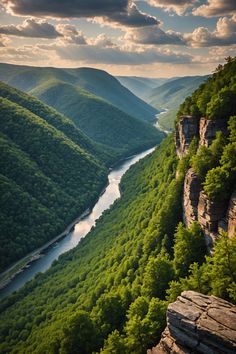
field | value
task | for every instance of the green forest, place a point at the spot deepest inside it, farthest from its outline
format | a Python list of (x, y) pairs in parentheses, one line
[(50, 170), (111, 292)]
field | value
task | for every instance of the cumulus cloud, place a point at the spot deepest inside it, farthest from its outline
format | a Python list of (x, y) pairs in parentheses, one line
[(216, 8), (178, 6), (224, 35), (124, 12), (102, 41), (154, 35), (71, 34), (31, 28)]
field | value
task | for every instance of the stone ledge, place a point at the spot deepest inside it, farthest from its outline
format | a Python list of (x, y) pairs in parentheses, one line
[(198, 323)]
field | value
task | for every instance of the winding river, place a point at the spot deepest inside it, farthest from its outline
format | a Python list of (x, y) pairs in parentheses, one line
[(80, 230)]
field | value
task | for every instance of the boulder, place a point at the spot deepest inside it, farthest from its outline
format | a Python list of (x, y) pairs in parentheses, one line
[(197, 323)]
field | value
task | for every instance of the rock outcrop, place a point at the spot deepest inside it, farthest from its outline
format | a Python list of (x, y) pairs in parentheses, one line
[(210, 214), (208, 129), (192, 188), (231, 215), (197, 323), (186, 129)]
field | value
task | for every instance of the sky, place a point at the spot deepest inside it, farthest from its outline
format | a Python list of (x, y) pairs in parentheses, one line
[(149, 38)]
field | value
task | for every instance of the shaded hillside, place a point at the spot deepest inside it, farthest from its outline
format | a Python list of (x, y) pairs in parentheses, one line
[(98, 82), (171, 94), (60, 122), (97, 118), (46, 178), (104, 85)]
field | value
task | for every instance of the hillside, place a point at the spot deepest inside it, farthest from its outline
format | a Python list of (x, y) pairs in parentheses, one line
[(60, 122), (97, 82), (110, 293), (171, 94), (140, 86), (97, 118), (46, 178)]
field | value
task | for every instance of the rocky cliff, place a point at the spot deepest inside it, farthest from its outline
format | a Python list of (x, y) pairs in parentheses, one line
[(186, 130), (197, 323), (212, 216)]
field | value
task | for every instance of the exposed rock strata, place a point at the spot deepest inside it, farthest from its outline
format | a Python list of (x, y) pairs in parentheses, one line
[(192, 188), (208, 129), (210, 214), (197, 323), (186, 129)]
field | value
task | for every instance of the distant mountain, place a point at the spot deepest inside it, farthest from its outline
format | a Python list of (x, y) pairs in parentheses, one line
[(47, 177), (98, 82), (140, 86), (170, 94)]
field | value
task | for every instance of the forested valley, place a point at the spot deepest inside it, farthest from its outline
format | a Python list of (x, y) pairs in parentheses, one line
[(110, 293)]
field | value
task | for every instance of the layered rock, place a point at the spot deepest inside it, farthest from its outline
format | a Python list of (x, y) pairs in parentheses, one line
[(197, 323), (186, 129), (231, 215), (210, 213), (208, 129), (192, 188)]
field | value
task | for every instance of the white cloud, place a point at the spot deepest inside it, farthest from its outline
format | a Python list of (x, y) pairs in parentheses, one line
[(216, 8), (31, 28), (224, 34), (153, 35), (178, 6), (70, 34)]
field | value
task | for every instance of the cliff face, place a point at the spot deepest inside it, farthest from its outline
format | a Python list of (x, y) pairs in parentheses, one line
[(212, 216), (208, 129), (197, 323), (187, 128), (192, 188)]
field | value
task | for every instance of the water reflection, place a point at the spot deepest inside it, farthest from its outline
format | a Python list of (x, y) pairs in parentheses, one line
[(81, 228)]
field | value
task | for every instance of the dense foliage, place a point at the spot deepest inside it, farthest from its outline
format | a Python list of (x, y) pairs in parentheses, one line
[(47, 179), (112, 287), (216, 165), (97, 82), (101, 121), (214, 99), (110, 293), (60, 122)]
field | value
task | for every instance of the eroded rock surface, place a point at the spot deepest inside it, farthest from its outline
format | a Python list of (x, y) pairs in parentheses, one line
[(210, 213), (186, 129), (208, 129), (197, 323), (192, 188)]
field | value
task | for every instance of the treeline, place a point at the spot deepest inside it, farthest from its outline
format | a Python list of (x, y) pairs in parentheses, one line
[(214, 99)]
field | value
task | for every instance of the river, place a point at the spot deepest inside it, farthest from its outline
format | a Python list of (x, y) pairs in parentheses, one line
[(81, 229)]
